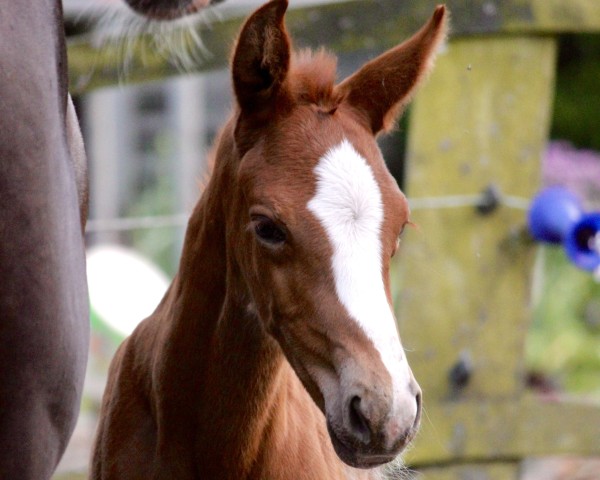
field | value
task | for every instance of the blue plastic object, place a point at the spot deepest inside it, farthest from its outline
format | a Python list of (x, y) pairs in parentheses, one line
[(556, 216)]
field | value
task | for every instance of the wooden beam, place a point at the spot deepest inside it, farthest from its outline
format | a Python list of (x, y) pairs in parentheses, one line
[(482, 120), (504, 430), (488, 471), (463, 290), (557, 16), (357, 27)]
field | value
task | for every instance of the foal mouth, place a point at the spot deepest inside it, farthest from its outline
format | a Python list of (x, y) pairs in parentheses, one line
[(360, 456)]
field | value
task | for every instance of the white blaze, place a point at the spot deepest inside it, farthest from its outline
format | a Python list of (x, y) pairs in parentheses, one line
[(348, 204)]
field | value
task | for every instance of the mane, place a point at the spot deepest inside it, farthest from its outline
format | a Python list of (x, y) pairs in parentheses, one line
[(312, 77)]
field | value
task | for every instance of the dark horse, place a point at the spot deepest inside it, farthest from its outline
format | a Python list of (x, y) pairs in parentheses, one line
[(43, 208)]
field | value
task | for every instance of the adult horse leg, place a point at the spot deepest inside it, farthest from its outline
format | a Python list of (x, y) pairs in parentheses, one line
[(43, 208), (78, 160), (43, 299)]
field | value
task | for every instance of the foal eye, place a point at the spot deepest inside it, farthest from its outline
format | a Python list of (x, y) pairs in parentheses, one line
[(267, 230)]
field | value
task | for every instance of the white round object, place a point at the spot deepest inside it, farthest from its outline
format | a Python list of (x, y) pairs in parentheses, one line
[(125, 287)]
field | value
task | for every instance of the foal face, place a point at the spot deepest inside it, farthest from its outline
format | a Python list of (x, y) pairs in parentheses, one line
[(323, 217), (316, 219)]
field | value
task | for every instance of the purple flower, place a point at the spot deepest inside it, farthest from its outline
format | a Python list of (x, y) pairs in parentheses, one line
[(577, 170)]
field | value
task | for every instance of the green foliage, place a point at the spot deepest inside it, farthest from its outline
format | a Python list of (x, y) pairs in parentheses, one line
[(564, 340), (577, 103), (156, 198)]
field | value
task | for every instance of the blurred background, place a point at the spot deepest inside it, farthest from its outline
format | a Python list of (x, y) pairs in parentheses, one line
[(147, 144)]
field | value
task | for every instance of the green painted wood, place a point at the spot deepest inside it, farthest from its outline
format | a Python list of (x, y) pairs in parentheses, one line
[(552, 16), (504, 431), (463, 281), (482, 471), (70, 476), (482, 119), (354, 27)]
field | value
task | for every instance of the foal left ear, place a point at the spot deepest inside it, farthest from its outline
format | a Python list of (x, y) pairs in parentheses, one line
[(383, 87), (261, 58)]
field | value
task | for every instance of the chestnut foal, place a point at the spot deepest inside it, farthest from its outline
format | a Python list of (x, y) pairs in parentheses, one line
[(275, 354)]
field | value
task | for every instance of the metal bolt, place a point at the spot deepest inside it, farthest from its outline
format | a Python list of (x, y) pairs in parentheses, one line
[(461, 372), (489, 201)]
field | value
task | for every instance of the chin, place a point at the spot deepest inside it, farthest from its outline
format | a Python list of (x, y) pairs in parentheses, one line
[(352, 455)]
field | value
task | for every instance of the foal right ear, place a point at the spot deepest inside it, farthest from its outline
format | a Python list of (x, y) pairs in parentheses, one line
[(261, 59), (381, 89)]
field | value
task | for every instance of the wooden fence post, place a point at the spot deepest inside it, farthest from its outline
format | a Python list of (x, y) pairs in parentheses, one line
[(480, 123)]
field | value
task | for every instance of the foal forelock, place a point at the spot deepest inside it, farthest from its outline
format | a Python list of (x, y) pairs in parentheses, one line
[(349, 205)]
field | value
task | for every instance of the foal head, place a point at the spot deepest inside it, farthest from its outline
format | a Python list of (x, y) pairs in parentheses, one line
[(315, 219)]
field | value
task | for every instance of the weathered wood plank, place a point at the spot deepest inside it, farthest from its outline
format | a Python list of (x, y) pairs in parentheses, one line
[(506, 430), (553, 16), (349, 27), (481, 120), (481, 471)]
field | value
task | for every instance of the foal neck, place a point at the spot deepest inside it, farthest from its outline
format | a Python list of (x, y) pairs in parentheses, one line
[(233, 370)]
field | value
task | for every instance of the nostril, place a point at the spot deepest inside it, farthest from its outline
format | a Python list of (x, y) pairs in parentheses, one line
[(358, 421), (418, 399), (419, 402)]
